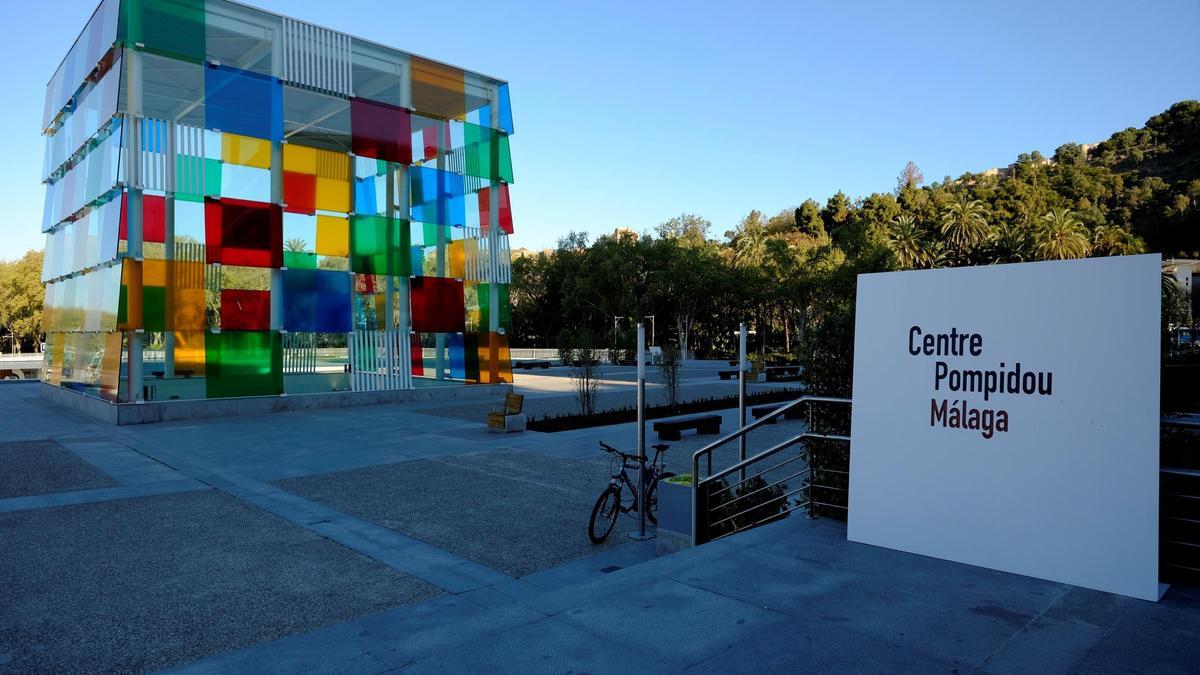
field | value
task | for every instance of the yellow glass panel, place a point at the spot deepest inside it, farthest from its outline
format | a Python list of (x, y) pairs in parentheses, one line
[(246, 151), (335, 165), (333, 194), (333, 236), (154, 272), (504, 359), (456, 256), (189, 351), (131, 294), (55, 353), (300, 159), (187, 297), (381, 317), (110, 367)]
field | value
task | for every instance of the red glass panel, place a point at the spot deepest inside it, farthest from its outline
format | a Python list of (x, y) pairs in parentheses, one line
[(300, 192), (380, 131), (430, 142), (418, 355), (245, 310), (506, 222), (243, 233), (154, 218), (437, 305)]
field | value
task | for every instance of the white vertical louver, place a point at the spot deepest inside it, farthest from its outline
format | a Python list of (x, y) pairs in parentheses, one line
[(480, 265), (147, 151), (189, 160), (316, 57), (380, 360)]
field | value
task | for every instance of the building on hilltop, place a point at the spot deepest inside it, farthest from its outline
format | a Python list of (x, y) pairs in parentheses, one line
[(243, 204), (1186, 274)]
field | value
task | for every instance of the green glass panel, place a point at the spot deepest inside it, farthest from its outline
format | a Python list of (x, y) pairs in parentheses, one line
[(380, 245), (243, 363), (185, 166), (485, 300), (487, 153), (504, 170), (170, 27), (299, 260), (154, 308)]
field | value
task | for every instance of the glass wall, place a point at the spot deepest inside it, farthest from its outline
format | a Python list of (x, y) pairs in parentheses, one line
[(242, 204)]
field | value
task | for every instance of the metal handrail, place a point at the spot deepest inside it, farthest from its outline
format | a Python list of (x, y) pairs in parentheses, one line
[(741, 465)]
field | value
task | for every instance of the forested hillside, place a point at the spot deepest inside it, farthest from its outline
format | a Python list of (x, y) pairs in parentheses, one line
[(792, 274)]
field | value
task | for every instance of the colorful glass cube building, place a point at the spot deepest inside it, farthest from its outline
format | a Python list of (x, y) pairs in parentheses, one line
[(243, 204)]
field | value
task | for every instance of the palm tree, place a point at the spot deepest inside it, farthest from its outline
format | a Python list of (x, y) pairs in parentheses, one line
[(295, 245), (964, 224), (906, 240), (750, 247), (1011, 243), (1061, 236), (936, 255), (1113, 240)]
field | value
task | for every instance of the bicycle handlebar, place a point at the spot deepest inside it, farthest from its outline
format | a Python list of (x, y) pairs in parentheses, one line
[(628, 456)]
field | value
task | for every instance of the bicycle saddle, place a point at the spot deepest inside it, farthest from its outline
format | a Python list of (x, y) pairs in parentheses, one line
[(660, 446)]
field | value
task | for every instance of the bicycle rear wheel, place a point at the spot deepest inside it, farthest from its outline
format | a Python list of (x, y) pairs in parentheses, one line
[(652, 502), (604, 514)]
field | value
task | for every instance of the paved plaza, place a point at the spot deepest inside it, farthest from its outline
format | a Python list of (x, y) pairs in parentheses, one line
[(409, 537)]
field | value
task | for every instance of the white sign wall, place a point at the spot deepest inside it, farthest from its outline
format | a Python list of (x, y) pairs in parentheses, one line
[(1007, 416)]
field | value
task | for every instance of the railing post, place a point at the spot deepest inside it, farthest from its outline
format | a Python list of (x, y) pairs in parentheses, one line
[(643, 492), (741, 396)]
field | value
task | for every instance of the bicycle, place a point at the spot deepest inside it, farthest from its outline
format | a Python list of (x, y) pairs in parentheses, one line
[(608, 505)]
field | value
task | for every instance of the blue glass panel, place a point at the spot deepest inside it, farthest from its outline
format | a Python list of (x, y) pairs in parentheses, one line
[(458, 357), (243, 103), (506, 121), (437, 196), (365, 196), (316, 301), (418, 261)]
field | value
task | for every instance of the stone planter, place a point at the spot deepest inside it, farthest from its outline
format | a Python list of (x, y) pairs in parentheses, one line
[(674, 515)]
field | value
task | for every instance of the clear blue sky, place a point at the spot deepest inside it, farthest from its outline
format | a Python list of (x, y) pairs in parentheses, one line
[(628, 113)]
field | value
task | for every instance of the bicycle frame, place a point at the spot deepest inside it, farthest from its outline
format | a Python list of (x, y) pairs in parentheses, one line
[(622, 477)]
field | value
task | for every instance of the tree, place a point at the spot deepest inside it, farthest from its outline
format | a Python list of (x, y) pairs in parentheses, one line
[(964, 224), (688, 228), (21, 297), (750, 241), (1061, 236), (295, 245), (910, 177), (1112, 240), (907, 241), (808, 219)]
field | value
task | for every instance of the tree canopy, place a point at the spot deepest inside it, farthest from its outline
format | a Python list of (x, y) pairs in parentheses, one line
[(792, 276)]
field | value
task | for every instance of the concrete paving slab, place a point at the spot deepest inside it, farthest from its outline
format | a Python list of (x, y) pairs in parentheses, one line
[(1150, 638), (820, 646), (146, 583), (547, 646), (677, 624), (44, 467), (514, 512)]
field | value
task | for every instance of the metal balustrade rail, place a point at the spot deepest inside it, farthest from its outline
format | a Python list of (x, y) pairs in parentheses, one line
[(706, 516)]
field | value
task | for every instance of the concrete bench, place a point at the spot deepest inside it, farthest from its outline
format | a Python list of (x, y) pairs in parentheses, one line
[(672, 430), (760, 411), (782, 373), (530, 365)]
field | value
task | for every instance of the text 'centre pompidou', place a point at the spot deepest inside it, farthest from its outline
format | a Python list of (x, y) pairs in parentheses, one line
[(243, 204)]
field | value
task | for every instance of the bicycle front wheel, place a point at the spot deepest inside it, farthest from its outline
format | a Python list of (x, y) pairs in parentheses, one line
[(652, 502), (604, 514)]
